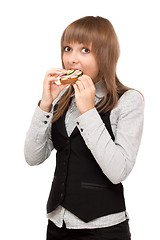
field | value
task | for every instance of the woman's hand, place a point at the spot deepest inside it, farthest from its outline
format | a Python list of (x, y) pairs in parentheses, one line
[(84, 93), (50, 89)]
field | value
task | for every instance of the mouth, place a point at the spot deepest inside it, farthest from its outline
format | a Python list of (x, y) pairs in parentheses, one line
[(74, 68)]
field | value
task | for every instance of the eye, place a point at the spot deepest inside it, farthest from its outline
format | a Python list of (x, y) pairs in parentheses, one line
[(86, 50), (67, 49)]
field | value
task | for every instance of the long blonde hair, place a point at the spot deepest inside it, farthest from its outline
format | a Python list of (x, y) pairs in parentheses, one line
[(100, 33)]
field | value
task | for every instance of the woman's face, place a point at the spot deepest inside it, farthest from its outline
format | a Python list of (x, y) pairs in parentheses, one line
[(80, 56)]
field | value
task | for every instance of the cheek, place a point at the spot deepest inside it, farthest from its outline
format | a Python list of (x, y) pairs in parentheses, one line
[(95, 73), (94, 70), (65, 60)]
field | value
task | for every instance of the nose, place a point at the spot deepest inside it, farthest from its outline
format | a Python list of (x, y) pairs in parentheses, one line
[(73, 58)]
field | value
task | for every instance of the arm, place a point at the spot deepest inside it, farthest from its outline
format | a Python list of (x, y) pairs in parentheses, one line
[(38, 144), (116, 159)]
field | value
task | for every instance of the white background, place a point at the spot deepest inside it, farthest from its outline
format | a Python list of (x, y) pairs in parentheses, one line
[(30, 45)]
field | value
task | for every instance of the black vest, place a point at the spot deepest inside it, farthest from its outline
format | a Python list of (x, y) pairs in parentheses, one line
[(79, 185)]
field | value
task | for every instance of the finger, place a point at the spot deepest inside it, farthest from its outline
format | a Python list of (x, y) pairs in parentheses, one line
[(87, 81), (52, 70), (80, 85), (76, 89), (56, 72), (51, 79)]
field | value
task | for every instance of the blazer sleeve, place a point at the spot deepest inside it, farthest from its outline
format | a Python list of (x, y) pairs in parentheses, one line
[(38, 144), (116, 158)]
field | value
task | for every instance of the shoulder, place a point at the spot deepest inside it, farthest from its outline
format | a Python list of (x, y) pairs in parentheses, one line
[(131, 98), (132, 95), (130, 101)]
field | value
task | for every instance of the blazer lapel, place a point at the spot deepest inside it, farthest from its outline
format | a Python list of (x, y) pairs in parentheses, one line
[(60, 123), (74, 132)]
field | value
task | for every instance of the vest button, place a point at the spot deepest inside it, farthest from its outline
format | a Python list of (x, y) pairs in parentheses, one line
[(62, 184), (62, 195)]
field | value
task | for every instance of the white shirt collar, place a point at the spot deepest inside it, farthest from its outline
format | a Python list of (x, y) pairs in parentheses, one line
[(100, 88)]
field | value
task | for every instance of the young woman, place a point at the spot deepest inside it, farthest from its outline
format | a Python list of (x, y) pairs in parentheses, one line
[(95, 125)]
